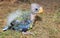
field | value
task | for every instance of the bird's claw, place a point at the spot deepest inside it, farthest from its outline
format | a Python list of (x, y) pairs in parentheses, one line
[(27, 33)]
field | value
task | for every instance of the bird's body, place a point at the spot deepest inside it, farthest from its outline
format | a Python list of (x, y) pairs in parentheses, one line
[(23, 19), (20, 19), (17, 14)]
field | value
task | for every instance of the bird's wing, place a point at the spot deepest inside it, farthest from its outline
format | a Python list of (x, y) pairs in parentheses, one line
[(23, 21)]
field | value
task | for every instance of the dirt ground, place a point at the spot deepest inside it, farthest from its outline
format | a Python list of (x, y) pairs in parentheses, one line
[(49, 27)]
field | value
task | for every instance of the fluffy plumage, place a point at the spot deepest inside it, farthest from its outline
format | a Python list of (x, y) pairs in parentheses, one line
[(22, 20)]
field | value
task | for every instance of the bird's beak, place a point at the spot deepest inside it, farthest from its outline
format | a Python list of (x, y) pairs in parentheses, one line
[(40, 11)]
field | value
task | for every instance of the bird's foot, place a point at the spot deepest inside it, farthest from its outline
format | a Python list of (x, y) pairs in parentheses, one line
[(27, 33)]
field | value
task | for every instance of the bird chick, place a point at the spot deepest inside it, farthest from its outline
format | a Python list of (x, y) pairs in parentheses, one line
[(22, 20)]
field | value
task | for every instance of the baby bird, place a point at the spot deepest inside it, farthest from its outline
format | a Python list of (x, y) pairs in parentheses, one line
[(20, 20)]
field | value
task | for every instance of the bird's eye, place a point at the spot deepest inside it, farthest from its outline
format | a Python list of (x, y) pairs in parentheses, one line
[(36, 9)]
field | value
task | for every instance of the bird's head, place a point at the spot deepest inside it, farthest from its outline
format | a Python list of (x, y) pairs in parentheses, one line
[(36, 8)]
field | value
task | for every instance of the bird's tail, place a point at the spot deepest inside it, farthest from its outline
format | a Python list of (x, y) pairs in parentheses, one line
[(10, 26), (7, 27)]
